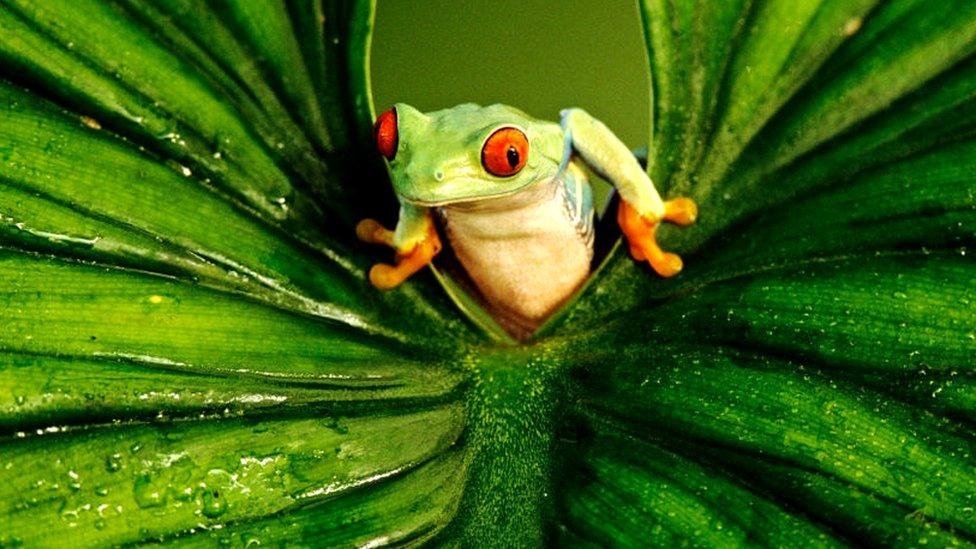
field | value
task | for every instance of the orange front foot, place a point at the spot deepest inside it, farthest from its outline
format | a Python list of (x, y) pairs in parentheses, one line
[(640, 232), (386, 277)]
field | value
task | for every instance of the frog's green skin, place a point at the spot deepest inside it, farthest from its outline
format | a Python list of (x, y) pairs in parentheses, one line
[(525, 240)]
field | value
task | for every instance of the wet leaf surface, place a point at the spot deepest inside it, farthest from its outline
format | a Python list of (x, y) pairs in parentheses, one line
[(190, 353)]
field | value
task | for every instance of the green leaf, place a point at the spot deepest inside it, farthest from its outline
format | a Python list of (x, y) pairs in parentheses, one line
[(127, 483), (633, 490), (190, 352), (826, 309)]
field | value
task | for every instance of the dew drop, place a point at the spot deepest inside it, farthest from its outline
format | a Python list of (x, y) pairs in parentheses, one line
[(213, 504), (147, 495), (113, 463)]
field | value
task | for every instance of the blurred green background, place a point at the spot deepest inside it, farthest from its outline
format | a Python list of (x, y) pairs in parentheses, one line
[(539, 56)]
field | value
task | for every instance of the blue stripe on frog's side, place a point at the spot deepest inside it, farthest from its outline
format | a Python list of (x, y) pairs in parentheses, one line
[(577, 196)]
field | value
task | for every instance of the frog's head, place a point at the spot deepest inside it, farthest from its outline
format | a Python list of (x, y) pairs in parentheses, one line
[(465, 153)]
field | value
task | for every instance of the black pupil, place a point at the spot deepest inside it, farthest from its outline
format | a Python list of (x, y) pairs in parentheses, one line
[(513, 156)]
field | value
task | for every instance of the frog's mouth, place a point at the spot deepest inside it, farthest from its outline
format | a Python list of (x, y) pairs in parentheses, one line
[(443, 196), (453, 201)]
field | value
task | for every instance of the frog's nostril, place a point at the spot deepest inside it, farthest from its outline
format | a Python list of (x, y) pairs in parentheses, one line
[(439, 175)]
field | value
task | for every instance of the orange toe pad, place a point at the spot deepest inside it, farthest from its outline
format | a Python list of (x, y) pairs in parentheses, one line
[(681, 211)]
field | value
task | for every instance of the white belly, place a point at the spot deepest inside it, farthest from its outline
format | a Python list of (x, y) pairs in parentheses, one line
[(523, 252)]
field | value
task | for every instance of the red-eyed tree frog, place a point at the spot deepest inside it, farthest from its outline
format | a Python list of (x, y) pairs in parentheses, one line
[(513, 201)]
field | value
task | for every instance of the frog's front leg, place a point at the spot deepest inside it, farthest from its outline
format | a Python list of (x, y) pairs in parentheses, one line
[(641, 208), (415, 241)]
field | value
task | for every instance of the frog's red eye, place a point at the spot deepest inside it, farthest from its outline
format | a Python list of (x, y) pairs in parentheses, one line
[(505, 152), (385, 133)]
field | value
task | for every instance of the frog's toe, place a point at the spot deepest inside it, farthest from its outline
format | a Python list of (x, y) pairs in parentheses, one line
[(370, 230), (386, 277), (637, 253), (666, 264), (681, 211)]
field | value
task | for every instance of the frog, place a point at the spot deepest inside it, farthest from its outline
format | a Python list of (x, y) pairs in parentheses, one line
[(512, 198)]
